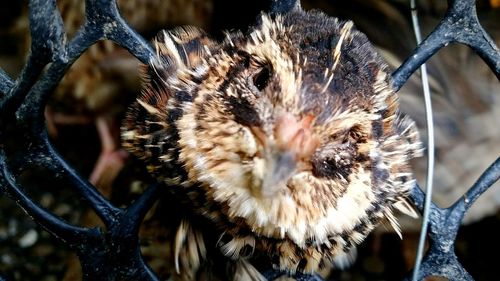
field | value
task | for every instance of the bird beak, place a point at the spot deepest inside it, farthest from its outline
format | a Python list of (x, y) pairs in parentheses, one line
[(288, 152), (280, 168)]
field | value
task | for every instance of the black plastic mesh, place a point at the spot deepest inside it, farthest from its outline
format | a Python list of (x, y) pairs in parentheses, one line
[(113, 253)]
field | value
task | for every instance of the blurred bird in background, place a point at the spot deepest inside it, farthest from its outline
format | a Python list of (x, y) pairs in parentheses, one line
[(105, 79)]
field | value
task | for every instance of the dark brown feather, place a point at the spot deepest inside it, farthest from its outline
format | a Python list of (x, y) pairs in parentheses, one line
[(287, 140)]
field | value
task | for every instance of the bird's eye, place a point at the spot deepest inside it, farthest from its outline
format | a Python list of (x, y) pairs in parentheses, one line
[(261, 79)]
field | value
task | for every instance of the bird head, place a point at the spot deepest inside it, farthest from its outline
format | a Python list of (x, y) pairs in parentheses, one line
[(293, 128)]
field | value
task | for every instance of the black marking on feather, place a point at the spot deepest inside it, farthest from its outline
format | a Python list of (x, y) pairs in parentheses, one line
[(244, 112), (183, 96)]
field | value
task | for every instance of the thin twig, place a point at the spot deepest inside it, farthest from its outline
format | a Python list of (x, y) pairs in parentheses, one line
[(430, 148)]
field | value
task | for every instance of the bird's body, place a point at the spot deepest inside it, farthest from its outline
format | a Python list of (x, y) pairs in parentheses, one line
[(287, 141)]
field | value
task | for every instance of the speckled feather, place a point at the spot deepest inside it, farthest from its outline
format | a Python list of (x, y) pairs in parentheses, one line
[(217, 120)]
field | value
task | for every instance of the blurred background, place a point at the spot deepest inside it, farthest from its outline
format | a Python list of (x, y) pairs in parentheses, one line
[(85, 111)]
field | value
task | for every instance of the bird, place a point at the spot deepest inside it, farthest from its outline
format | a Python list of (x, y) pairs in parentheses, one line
[(104, 79), (285, 142)]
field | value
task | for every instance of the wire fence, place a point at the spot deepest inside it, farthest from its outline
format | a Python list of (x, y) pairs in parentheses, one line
[(114, 253)]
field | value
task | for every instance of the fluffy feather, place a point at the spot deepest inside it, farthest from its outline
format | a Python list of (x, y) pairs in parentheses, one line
[(287, 140)]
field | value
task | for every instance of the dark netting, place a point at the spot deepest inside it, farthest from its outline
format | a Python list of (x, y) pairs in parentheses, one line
[(113, 252)]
